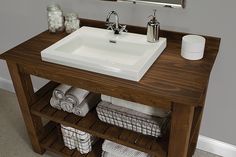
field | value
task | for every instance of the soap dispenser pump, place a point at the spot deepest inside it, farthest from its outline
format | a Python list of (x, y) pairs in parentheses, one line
[(153, 28)]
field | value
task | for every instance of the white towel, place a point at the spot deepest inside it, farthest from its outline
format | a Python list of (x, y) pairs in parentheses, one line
[(85, 141), (70, 143), (149, 110), (73, 97), (85, 146), (106, 98), (76, 95), (69, 137), (130, 119), (56, 103), (86, 105), (74, 138), (67, 106), (106, 154), (120, 150), (60, 91), (58, 95), (68, 131)]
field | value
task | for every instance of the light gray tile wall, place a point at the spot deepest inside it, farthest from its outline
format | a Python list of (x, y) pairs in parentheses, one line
[(20, 20)]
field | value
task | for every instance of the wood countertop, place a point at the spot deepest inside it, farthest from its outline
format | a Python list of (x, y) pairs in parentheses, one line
[(171, 79)]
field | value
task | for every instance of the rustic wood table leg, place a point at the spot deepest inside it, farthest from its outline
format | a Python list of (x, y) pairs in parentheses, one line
[(196, 127), (194, 135), (181, 123), (24, 91)]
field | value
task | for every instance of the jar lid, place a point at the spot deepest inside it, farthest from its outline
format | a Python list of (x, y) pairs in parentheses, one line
[(71, 16), (53, 7), (194, 39)]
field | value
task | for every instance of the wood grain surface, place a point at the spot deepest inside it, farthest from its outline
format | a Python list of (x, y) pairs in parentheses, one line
[(91, 124), (170, 79)]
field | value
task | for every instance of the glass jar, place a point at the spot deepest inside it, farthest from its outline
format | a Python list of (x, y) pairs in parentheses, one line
[(72, 22), (55, 18)]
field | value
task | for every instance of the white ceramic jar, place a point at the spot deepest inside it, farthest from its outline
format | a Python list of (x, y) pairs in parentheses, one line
[(55, 19), (72, 22)]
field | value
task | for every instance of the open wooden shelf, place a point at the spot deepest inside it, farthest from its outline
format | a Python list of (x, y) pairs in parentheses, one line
[(51, 140), (91, 124)]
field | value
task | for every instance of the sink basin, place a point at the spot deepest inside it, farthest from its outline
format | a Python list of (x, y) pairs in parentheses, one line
[(126, 56)]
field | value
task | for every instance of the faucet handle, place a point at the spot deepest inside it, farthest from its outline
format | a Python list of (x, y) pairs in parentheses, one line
[(110, 25), (123, 28)]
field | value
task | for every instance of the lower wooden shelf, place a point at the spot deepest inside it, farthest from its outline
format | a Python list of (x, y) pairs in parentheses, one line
[(91, 124), (52, 141)]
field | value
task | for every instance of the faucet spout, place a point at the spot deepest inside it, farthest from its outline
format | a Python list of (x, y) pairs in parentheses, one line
[(116, 18), (116, 27)]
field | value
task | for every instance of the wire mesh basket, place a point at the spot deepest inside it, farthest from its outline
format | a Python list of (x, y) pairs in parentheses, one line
[(76, 139), (131, 120)]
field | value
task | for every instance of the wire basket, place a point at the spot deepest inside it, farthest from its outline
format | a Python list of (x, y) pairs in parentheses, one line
[(76, 139), (131, 120)]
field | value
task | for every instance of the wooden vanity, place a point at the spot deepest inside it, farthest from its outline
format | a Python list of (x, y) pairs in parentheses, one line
[(172, 83)]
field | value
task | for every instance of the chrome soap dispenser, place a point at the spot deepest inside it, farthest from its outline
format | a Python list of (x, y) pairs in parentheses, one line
[(153, 28)]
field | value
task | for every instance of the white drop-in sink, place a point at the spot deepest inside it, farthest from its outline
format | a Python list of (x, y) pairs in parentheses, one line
[(126, 55)]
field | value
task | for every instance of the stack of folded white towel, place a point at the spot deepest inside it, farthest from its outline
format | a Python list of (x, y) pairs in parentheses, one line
[(73, 100), (111, 149), (74, 138), (133, 116)]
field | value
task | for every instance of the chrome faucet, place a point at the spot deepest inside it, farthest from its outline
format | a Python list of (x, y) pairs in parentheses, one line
[(116, 27)]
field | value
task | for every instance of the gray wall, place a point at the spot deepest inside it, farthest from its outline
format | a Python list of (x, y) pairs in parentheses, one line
[(19, 21), (23, 19)]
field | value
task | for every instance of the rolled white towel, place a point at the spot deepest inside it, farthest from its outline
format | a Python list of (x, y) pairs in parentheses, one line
[(85, 147), (82, 136), (67, 106), (60, 91), (121, 150), (56, 103), (86, 105), (73, 97), (85, 141), (58, 95), (76, 95)]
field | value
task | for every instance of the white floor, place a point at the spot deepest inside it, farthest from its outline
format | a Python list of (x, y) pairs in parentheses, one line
[(14, 141)]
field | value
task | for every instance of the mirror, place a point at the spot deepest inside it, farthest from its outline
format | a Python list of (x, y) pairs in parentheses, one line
[(163, 3)]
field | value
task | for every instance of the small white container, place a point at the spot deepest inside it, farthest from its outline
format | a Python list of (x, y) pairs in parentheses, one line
[(193, 47)]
